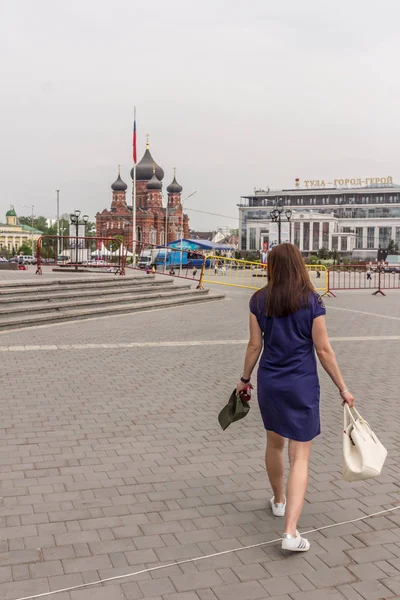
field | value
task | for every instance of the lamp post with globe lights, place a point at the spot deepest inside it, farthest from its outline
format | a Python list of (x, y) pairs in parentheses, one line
[(74, 218), (276, 217)]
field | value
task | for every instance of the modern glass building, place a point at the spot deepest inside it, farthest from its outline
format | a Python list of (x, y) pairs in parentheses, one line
[(337, 218)]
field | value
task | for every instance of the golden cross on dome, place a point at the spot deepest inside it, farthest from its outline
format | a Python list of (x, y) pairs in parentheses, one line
[(147, 141), (119, 170), (174, 172)]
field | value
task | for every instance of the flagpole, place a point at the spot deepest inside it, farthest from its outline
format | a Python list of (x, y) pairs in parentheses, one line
[(134, 193)]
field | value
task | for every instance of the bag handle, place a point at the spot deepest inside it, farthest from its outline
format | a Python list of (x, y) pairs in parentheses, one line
[(348, 412), (348, 416)]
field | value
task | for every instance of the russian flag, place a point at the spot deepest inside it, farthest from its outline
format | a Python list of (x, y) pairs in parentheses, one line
[(134, 136)]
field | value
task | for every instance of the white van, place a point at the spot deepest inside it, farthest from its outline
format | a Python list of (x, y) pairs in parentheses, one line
[(27, 259)]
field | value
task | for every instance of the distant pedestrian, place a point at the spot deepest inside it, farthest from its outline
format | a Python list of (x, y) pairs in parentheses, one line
[(369, 274), (147, 270), (194, 272), (318, 274)]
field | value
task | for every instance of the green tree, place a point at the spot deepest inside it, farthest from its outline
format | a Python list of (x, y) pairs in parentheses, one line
[(114, 245), (25, 249), (324, 254), (312, 260), (392, 247), (39, 223), (335, 256)]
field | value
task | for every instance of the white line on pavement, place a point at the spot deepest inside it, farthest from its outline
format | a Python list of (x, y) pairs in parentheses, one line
[(98, 582), (362, 312), (175, 344)]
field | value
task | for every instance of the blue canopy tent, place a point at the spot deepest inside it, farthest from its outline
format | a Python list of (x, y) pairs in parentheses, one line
[(200, 246)]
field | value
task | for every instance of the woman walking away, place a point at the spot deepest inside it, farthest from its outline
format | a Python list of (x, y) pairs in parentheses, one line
[(289, 315)]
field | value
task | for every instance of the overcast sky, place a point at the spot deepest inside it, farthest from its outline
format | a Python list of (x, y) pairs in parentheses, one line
[(236, 94)]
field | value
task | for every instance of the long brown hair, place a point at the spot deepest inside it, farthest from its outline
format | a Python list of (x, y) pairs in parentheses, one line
[(289, 286)]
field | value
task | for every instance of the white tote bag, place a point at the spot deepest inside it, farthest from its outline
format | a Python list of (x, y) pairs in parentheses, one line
[(363, 453)]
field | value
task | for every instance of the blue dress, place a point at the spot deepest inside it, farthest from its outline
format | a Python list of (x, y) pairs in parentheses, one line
[(287, 381)]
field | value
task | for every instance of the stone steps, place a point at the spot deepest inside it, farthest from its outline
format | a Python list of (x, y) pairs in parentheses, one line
[(28, 304), (47, 296), (51, 306), (7, 288)]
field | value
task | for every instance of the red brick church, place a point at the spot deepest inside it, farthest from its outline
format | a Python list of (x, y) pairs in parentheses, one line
[(152, 219)]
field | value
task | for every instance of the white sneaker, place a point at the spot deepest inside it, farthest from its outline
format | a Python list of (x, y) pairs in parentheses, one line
[(278, 510), (295, 544)]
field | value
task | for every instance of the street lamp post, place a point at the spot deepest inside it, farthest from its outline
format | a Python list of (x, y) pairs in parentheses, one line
[(31, 206), (74, 217), (276, 217), (58, 222), (62, 232)]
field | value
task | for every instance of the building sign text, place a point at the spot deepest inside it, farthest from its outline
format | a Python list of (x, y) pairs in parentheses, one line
[(321, 183)]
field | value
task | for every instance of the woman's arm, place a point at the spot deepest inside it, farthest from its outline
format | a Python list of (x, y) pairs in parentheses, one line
[(253, 351), (327, 358)]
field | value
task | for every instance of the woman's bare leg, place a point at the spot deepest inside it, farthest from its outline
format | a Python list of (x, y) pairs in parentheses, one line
[(299, 454), (274, 465)]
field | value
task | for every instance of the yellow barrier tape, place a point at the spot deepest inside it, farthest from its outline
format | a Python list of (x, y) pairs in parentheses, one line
[(240, 273)]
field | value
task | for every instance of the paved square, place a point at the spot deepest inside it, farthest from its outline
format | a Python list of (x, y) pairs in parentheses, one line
[(112, 461)]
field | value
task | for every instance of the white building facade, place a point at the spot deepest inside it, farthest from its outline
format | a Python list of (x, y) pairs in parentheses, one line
[(307, 230), (335, 219)]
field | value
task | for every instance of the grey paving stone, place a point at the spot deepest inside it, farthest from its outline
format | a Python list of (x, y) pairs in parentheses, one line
[(6, 574), (17, 589), (88, 470), (162, 586), (132, 591), (250, 572), (87, 563), (196, 581), (373, 590), (366, 571), (302, 582), (109, 592), (290, 566), (46, 569), (370, 554), (279, 585), (331, 577), (207, 594), (349, 592), (252, 590), (326, 594), (181, 596)]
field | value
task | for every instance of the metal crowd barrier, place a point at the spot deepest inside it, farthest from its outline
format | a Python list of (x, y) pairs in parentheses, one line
[(362, 277), (83, 252), (239, 273), (319, 277)]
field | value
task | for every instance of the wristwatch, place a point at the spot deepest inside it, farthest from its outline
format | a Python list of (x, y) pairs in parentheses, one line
[(244, 380)]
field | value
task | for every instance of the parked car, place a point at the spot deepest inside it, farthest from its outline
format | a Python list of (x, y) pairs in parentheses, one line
[(26, 259), (61, 258)]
